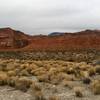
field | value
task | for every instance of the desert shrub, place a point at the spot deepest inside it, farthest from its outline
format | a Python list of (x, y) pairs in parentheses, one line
[(3, 78), (84, 74), (95, 86), (97, 69), (24, 72), (12, 80), (91, 71), (37, 91), (23, 83), (86, 80), (78, 91), (70, 70), (38, 71), (11, 73), (3, 66), (43, 78), (54, 98), (61, 76), (11, 66), (68, 84)]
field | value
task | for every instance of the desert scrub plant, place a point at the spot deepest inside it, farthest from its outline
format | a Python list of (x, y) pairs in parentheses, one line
[(78, 91), (43, 78), (11, 73), (24, 72), (54, 97), (23, 83), (97, 68), (69, 84), (11, 66), (12, 80), (38, 71), (3, 66), (37, 91), (70, 70), (95, 87), (92, 71), (86, 80), (3, 78)]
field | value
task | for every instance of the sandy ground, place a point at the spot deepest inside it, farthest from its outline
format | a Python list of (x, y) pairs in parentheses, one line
[(64, 93)]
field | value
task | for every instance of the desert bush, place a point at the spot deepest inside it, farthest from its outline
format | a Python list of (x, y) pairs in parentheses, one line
[(24, 72), (3, 66), (78, 91), (11, 73), (12, 80), (86, 80), (54, 98), (97, 69), (3, 78), (68, 84), (23, 83), (91, 71), (43, 78), (61, 76), (11, 66), (95, 86), (84, 74), (70, 70), (37, 91)]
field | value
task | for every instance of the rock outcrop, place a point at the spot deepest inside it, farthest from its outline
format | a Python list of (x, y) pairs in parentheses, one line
[(11, 39)]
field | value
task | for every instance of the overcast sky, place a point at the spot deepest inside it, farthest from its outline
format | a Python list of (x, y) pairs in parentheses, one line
[(45, 16)]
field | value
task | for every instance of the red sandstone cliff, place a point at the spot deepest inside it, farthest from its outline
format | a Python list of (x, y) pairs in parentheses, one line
[(11, 39)]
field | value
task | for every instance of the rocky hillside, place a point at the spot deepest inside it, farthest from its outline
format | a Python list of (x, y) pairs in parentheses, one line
[(11, 39), (67, 41), (16, 40)]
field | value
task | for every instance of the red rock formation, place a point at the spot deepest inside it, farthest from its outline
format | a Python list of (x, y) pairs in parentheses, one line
[(16, 40), (11, 39)]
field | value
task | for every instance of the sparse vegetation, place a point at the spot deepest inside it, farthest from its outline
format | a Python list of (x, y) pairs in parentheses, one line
[(33, 75), (95, 86), (78, 91)]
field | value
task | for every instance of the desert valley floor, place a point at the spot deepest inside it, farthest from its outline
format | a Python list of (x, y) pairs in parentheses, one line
[(49, 80)]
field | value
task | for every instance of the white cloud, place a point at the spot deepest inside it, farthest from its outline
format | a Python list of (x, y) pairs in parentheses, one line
[(44, 16)]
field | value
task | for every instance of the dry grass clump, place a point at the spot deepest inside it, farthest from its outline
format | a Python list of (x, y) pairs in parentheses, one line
[(37, 91), (54, 98), (3, 78), (70, 70), (95, 86), (92, 71), (78, 91), (68, 84), (86, 80), (84, 74), (97, 68), (23, 83), (11, 66), (24, 72), (11, 73), (43, 78), (12, 80), (38, 71), (3, 66)]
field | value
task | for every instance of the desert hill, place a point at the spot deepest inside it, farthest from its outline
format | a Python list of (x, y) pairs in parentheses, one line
[(15, 40)]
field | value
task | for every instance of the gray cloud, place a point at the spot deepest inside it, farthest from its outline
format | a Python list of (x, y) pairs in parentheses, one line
[(45, 16)]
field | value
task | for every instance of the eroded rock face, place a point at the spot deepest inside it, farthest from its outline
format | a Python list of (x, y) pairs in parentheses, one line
[(68, 41), (12, 39)]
